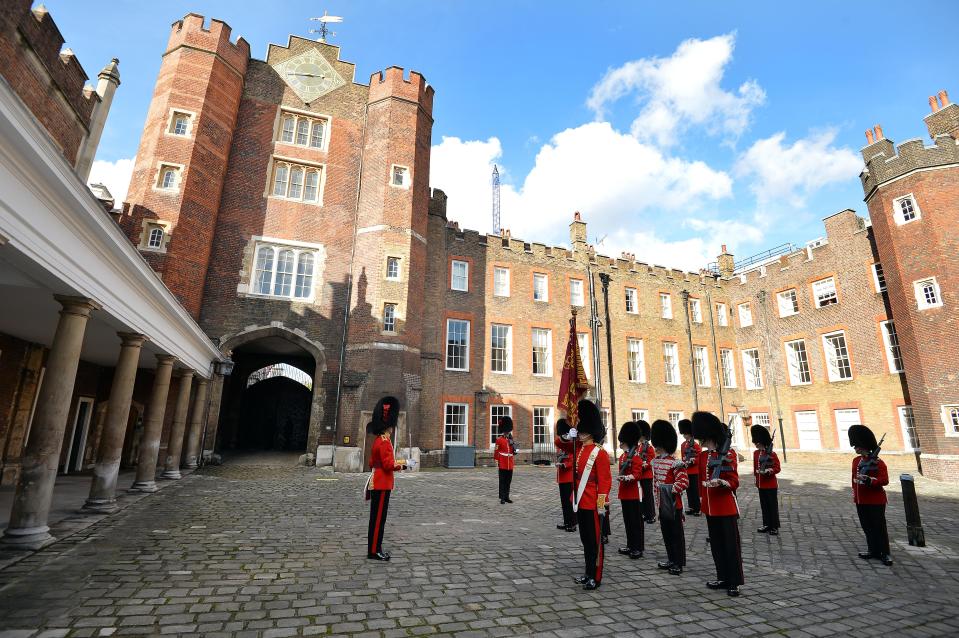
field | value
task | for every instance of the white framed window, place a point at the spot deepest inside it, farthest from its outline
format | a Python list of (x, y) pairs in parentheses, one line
[(302, 130), (824, 292), (500, 281), (389, 317), (844, 418), (878, 278), (284, 271), (393, 268), (891, 342), (181, 123), (761, 418), (155, 240), (838, 365), (636, 360), (542, 352), (632, 302), (908, 423), (722, 314), (745, 315), (400, 176), (674, 417), (701, 366), (696, 310), (797, 362), (459, 275), (927, 293), (583, 342), (458, 345), (665, 305), (905, 209), (497, 412), (576, 292), (501, 348), (728, 369), (297, 182), (168, 177), (950, 418), (542, 426), (788, 302), (637, 414), (752, 368), (540, 287), (671, 363), (456, 416)]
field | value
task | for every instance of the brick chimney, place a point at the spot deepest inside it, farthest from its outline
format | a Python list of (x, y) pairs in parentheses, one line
[(577, 235), (944, 118), (726, 263)]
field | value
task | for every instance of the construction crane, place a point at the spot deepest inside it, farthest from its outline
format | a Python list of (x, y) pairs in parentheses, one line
[(497, 228)]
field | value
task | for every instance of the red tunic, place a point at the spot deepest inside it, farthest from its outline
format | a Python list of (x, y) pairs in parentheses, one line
[(692, 469), (766, 481), (504, 454), (630, 490), (719, 501), (647, 453), (564, 468), (383, 464), (669, 471), (600, 478), (872, 493)]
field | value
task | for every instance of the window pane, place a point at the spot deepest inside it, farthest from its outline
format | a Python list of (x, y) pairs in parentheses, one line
[(542, 426), (288, 125), (752, 369), (317, 134), (891, 341), (457, 344), (496, 413), (302, 130), (825, 292), (584, 355), (264, 270), (671, 363), (500, 345), (540, 290), (798, 363), (635, 364), (156, 238), (304, 276), (296, 183), (541, 351), (389, 317), (284, 273), (631, 305), (788, 303), (745, 315), (722, 318), (696, 310), (837, 357), (169, 178), (908, 421), (455, 424), (666, 305), (280, 178), (392, 268), (312, 189), (879, 277), (701, 365), (576, 292), (729, 374), (501, 282), (179, 125), (459, 279)]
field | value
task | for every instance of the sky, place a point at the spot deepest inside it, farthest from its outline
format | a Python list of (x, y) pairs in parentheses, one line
[(674, 127)]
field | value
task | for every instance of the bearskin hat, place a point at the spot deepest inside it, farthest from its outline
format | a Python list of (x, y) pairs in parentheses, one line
[(862, 436), (761, 435), (385, 415), (644, 430), (663, 436), (590, 420), (685, 426), (708, 427), (562, 427), (505, 424), (629, 434)]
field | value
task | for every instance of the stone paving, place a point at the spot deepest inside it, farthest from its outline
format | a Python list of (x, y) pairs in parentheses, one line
[(262, 548)]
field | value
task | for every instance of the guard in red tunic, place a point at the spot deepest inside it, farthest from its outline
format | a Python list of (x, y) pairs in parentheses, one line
[(564, 472), (647, 454), (505, 455), (670, 481), (592, 491), (720, 478), (689, 455), (383, 464), (630, 470), (869, 477), (765, 468)]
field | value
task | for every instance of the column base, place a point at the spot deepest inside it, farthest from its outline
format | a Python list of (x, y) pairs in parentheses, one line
[(27, 538), (100, 506), (171, 475), (191, 464), (144, 486)]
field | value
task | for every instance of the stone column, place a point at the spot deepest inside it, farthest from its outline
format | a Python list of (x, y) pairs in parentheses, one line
[(196, 424), (174, 449), (103, 497), (31, 504), (153, 427), (208, 438)]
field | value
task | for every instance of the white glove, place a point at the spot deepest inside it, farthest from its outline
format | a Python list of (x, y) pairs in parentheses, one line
[(572, 433), (410, 464)]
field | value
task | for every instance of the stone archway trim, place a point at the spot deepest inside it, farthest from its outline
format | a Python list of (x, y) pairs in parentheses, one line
[(275, 329)]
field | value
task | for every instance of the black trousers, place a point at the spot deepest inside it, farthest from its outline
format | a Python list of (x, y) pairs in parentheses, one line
[(692, 493), (674, 537), (505, 478), (589, 533), (379, 506), (566, 499), (769, 502), (873, 521), (633, 522), (649, 499), (727, 554)]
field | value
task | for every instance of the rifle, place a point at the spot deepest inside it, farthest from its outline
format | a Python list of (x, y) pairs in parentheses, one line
[(871, 462), (766, 456), (716, 466)]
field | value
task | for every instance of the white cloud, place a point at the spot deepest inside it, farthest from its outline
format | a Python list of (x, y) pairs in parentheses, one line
[(114, 175), (787, 174), (680, 91)]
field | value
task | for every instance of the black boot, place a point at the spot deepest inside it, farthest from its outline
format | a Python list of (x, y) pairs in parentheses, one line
[(581, 580), (715, 584), (624, 551), (378, 556), (590, 584)]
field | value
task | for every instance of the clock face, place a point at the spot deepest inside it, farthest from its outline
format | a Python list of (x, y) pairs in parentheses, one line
[(309, 75)]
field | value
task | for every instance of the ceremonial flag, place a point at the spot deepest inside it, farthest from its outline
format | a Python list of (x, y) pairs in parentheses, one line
[(573, 383)]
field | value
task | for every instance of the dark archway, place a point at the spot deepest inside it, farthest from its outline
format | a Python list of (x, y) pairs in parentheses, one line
[(275, 415)]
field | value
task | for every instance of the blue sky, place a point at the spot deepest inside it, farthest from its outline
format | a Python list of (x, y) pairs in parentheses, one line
[(673, 126)]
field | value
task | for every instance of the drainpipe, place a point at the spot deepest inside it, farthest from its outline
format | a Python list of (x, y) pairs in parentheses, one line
[(605, 278), (689, 337), (594, 329)]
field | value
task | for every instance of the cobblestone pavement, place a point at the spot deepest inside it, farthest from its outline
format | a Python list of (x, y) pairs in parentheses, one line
[(266, 549)]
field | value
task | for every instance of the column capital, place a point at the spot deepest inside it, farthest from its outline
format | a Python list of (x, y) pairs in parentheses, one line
[(202, 381), (132, 338), (81, 306), (165, 359), (184, 372)]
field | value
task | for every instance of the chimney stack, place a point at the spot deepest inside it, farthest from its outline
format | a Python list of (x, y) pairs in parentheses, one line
[(878, 130), (933, 103), (944, 98), (869, 138)]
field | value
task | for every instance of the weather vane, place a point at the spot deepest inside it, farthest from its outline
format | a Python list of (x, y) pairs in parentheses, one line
[(324, 30)]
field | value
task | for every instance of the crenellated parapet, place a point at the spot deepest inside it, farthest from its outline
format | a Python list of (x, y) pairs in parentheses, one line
[(885, 162), (392, 83), (191, 32)]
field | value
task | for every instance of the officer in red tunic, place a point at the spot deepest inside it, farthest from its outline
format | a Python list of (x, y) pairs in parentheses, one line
[(669, 482), (719, 502), (564, 473), (591, 492), (689, 455), (765, 468), (383, 464), (505, 455), (647, 454), (630, 471), (869, 477)]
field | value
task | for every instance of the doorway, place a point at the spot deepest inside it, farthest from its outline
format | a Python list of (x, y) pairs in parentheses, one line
[(78, 435)]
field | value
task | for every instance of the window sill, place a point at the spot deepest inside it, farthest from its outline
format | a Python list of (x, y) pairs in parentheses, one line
[(791, 314), (148, 249), (254, 295), (457, 369), (498, 372), (543, 376), (318, 203), (849, 380), (540, 300), (458, 290), (932, 307)]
